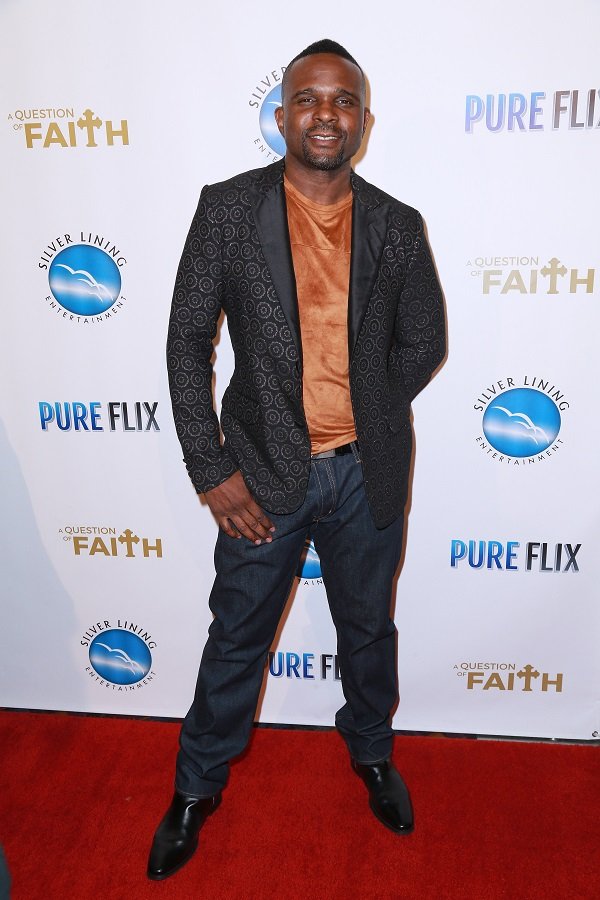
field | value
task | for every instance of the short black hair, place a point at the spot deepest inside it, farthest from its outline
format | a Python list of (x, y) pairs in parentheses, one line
[(324, 46)]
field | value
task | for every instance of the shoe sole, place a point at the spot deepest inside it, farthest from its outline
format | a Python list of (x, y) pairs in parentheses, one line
[(161, 877)]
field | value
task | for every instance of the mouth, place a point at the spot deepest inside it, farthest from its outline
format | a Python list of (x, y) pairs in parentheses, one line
[(324, 137)]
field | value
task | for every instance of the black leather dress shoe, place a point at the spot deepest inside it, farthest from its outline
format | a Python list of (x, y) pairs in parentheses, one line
[(176, 837), (388, 795)]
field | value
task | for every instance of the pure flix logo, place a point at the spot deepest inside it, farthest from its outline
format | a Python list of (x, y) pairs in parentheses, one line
[(512, 556), (309, 568), (521, 421), (62, 127), (72, 415), (84, 276), (120, 656), (266, 97), (572, 110)]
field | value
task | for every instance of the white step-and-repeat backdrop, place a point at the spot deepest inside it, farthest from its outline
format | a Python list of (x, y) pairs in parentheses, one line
[(486, 118)]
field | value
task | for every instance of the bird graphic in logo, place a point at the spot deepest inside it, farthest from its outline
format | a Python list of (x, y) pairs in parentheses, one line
[(95, 288), (531, 429), (122, 658)]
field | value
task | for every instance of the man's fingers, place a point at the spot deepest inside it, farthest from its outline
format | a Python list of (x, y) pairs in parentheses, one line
[(250, 528), (260, 516), (260, 528), (229, 529)]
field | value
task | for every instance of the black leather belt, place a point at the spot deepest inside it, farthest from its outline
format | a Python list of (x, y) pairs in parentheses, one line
[(336, 451)]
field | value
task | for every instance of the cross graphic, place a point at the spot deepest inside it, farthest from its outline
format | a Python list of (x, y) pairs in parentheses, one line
[(129, 538), (528, 672), (89, 121), (553, 269)]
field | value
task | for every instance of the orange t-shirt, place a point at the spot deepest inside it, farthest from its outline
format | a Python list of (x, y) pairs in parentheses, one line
[(321, 237)]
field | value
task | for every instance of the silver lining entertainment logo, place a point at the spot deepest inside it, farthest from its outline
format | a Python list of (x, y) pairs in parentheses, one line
[(521, 420), (120, 656), (84, 277), (266, 97)]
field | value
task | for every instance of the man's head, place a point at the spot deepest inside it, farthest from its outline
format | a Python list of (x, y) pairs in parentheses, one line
[(323, 116), (324, 46)]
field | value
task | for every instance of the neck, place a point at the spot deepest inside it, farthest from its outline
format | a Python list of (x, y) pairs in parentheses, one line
[(326, 187)]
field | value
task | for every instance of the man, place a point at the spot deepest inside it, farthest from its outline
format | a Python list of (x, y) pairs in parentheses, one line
[(336, 321)]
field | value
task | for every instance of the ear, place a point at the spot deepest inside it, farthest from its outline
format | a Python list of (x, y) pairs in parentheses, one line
[(279, 120), (366, 119)]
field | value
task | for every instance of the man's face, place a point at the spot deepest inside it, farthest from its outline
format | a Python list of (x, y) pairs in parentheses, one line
[(323, 116)]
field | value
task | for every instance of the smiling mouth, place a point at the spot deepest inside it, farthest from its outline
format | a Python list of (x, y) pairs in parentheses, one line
[(325, 138)]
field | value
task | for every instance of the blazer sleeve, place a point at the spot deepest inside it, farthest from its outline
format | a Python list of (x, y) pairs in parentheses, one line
[(195, 311), (420, 327)]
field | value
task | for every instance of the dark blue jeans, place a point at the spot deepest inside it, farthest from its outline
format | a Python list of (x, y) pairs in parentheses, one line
[(252, 584)]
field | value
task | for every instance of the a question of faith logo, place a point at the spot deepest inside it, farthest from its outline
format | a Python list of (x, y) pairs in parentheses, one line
[(96, 131)]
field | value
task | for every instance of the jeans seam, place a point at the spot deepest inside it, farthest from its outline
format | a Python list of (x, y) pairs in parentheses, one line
[(320, 491), (332, 483)]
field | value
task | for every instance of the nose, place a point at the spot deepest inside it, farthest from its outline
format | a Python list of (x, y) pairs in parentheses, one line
[(325, 112)]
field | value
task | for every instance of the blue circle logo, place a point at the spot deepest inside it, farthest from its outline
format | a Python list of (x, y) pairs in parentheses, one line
[(521, 422), (120, 656), (268, 125), (84, 279), (310, 564)]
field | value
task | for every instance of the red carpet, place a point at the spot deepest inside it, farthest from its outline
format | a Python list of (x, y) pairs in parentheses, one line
[(81, 798)]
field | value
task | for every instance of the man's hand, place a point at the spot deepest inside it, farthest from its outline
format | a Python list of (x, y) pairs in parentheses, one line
[(233, 507)]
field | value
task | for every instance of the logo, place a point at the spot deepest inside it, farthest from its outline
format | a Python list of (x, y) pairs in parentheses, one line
[(100, 540), (266, 97), (120, 656), (309, 569), (285, 664), (76, 416), (61, 127), (521, 424), (569, 110), (84, 277), (507, 276), (505, 555), (507, 677)]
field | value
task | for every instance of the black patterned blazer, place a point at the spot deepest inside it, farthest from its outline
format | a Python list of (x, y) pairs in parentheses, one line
[(237, 257)]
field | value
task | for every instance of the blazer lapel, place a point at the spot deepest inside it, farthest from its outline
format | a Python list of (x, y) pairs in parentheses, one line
[(270, 216), (369, 226)]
